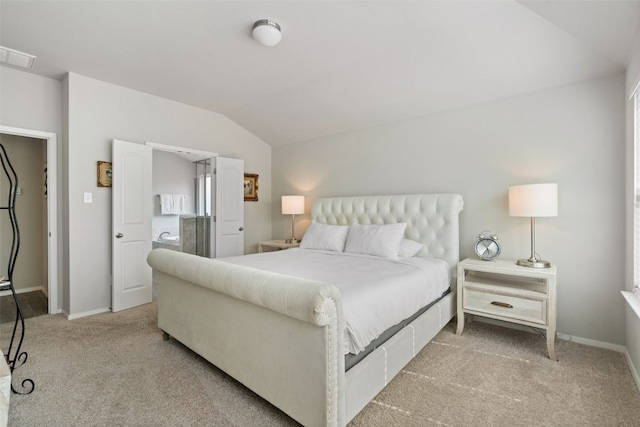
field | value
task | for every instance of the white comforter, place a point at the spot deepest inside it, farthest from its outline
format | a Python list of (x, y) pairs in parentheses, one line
[(377, 293)]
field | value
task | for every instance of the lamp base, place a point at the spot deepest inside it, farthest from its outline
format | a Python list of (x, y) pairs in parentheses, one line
[(291, 240), (533, 263)]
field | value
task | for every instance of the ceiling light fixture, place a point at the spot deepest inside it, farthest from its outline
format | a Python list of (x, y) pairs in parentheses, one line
[(16, 58), (267, 32)]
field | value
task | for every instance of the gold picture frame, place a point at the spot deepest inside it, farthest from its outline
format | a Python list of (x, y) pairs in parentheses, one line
[(104, 174), (250, 187)]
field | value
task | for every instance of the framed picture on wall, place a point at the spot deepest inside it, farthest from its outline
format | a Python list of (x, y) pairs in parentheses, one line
[(104, 174), (250, 187)]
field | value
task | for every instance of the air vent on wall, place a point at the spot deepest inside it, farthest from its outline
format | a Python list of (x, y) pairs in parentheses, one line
[(16, 58)]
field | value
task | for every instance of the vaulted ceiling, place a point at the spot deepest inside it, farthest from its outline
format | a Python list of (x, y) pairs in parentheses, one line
[(341, 65)]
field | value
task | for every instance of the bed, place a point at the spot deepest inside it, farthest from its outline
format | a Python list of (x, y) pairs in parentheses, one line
[(282, 335)]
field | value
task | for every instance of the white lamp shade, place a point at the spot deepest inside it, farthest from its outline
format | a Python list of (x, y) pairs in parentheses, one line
[(266, 32), (292, 205), (533, 200)]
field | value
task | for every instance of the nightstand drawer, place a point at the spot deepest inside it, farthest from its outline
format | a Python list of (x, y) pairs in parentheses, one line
[(530, 309)]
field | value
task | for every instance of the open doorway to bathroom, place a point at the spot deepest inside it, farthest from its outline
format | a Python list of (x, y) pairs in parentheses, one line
[(182, 203), (181, 185), (198, 202)]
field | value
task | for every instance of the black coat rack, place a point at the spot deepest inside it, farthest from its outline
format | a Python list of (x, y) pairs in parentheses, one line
[(14, 356)]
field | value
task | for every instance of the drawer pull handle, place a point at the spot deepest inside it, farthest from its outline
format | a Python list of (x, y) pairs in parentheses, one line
[(501, 304)]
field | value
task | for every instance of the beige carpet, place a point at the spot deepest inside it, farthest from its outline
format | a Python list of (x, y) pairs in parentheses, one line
[(115, 370)]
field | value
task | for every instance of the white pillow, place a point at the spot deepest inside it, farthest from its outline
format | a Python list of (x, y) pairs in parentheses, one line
[(325, 237), (379, 240), (409, 248)]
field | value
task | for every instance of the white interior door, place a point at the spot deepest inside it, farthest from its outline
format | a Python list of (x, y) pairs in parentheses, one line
[(131, 231), (229, 207)]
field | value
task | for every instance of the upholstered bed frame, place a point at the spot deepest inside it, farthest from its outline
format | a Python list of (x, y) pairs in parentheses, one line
[(282, 336)]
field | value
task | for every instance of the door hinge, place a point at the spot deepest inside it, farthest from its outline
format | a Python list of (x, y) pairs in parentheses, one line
[(215, 218), (215, 171)]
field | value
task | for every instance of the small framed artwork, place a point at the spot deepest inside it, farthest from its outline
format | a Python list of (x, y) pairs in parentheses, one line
[(250, 187), (104, 174)]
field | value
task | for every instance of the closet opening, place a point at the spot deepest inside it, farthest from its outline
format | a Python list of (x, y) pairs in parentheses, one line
[(33, 155)]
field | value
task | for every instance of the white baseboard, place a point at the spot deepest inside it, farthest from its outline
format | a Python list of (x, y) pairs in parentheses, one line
[(593, 343), (86, 313), (632, 368), (24, 290)]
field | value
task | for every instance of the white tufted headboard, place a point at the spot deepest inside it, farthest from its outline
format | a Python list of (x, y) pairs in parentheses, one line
[(432, 219)]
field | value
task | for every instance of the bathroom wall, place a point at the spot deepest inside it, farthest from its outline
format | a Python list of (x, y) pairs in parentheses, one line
[(172, 174)]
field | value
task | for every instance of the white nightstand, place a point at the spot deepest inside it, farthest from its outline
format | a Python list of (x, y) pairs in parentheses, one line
[(506, 291), (276, 245)]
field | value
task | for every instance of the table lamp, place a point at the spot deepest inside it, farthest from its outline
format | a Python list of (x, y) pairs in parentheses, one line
[(533, 200), (292, 205)]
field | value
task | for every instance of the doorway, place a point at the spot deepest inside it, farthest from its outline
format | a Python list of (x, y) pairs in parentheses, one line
[(48, 191), (187, 174)]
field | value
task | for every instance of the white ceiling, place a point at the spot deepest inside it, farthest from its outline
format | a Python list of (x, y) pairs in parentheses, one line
[(341, 66)]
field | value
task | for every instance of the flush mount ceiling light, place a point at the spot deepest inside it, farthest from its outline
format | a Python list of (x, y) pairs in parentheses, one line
[(267, 32), (16, 58)]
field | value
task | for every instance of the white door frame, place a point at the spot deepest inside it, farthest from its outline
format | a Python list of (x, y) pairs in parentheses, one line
[(52, 207), (182, 150)]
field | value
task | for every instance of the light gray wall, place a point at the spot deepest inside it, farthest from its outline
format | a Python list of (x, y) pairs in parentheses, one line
[(171, 175), (30, 101), (99, 112), (25, 155), (571, 135), (33, 102)]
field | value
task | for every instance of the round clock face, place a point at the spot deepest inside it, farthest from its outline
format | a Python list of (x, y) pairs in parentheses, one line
[(487, 248)]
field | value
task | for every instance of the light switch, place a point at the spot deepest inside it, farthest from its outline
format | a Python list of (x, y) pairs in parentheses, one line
[(88, 197)]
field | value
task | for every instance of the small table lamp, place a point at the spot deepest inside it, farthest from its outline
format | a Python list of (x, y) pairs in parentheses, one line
[(292, 205), (534, 200)]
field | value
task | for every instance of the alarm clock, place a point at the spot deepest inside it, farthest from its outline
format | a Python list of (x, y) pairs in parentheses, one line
[(487, 247)]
